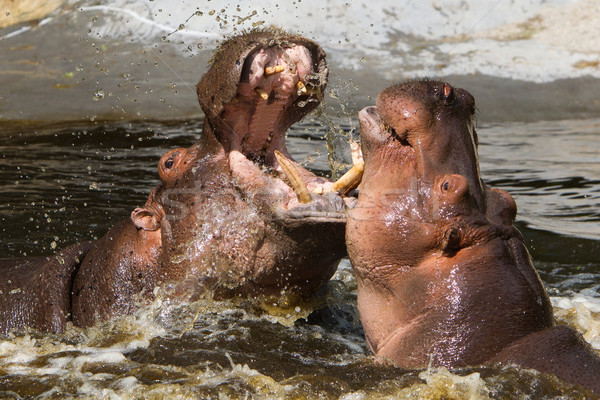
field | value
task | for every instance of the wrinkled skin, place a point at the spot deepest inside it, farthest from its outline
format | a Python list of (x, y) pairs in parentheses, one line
[(121, 268), (231, 221), (223, 219), (443, 276), (85, 281), (35, 292)]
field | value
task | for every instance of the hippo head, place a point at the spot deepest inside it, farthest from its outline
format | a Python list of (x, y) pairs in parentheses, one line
[(419, 147), (238, 209), (258, 85), (434, 250)]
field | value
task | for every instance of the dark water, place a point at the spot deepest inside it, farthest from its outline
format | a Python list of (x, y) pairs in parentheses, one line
[(66, 183)]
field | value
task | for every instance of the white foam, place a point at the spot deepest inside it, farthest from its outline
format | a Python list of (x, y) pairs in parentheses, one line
[(582, 313)]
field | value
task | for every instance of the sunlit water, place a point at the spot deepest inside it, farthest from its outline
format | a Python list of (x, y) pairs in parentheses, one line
[(62, 184)]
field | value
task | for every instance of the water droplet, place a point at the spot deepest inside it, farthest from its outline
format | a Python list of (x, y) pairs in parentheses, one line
[(211, 12), (164, 38), (98, 94), (79, 67), (181, 27), (8, 13)]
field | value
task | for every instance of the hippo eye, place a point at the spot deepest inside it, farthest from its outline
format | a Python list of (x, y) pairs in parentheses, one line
[(169, 164), (446, 186)]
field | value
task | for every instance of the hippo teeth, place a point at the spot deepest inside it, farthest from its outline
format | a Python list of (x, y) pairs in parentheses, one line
[(263, 95), (352, 178), (356, 152), (349, 180), (277, 69), (301, 88), (294, 177)]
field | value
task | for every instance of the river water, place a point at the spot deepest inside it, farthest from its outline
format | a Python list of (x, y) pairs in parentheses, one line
[(94, 93)]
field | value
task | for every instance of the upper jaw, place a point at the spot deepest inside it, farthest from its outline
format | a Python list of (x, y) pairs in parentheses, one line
[(277, 86)]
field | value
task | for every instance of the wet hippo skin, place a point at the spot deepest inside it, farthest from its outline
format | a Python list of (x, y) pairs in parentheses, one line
[(121, 268), (232, 222), (234, 213), (443, 276), (36, 291)]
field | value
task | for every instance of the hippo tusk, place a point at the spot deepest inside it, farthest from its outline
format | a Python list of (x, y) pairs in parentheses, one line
[(264, 95), (296, 181), (352, 178), (349, 180), (277, 69), (356, 152)]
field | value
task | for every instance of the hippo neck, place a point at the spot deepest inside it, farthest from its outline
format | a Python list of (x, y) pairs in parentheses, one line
[(208, 142)]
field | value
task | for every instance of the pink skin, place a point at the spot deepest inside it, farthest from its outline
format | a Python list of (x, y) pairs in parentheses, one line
[(176, 163), (443, 276), (252, 133), (232, 223), (103, 287)]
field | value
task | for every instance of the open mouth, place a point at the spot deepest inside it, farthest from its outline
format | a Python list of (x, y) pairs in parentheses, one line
[(275, 84), (278, 86)]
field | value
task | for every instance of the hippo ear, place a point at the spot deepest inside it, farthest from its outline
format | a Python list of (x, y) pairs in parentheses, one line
[(451, 241), (145, 219)]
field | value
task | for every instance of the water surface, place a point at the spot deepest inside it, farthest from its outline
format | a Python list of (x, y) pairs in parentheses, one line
[(94, 93), (66, 183)]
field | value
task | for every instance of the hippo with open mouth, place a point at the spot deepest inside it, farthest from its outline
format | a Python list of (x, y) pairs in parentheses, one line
[(234, 214), (443, 276), (240, 211)]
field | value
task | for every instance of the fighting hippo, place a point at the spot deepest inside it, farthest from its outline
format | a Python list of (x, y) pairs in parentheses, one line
[(233, 213), (443, 276), (231, 219)]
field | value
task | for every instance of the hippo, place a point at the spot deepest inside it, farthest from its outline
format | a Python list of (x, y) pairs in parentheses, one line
[(241, 216), (234, 214), (443, 275), (37, 292), (121, 267)]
